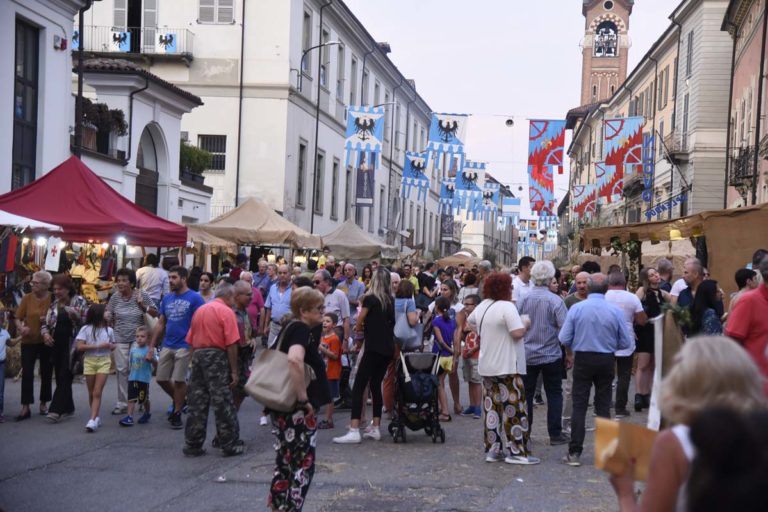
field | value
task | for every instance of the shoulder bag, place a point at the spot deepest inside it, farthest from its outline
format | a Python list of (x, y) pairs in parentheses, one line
[(270, 381), (408, 338)]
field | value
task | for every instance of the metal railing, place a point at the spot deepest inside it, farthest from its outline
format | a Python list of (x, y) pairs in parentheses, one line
[(742, 167), (145, 40)]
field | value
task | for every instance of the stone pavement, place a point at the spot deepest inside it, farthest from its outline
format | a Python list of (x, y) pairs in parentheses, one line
[(61, 467)]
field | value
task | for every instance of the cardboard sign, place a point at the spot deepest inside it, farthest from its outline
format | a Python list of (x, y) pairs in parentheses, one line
[(617, 444)]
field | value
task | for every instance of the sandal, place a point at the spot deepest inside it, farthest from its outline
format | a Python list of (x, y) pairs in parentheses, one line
[(445, 418), (325, 425), (43, 411)]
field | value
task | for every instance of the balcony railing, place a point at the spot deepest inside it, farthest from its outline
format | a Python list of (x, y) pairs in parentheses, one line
[(155, 41), (742, 168)]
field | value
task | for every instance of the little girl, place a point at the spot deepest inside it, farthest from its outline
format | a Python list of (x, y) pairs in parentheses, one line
[(444, 326), (97, 341)]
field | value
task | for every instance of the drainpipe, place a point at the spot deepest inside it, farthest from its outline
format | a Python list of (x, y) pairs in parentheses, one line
[(735, 36), (240, 107), (79, 98), (130, 116), (362, 73), (317, 117), (392, 149), (761, 76)]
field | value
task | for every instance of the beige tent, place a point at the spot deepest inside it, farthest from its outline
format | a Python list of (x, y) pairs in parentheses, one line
[(255, 223), (467, 257), (198, 236), (350, 242)]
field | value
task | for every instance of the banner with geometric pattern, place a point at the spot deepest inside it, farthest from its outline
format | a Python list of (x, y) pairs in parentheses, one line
[(365, 131), (414, 175), (447, 196), (623, 148), (546, 139), (469, 194), (446, 137)]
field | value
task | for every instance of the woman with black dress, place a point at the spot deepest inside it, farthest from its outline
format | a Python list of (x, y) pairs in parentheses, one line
[(652, 297), (296, 430), (62, 323), (377, 322)]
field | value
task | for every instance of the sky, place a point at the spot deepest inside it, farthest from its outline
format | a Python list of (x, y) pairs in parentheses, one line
[(498, 59)]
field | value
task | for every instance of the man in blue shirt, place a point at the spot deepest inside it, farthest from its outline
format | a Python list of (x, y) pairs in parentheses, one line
[(176, 310), (593, 331), (277, 305)]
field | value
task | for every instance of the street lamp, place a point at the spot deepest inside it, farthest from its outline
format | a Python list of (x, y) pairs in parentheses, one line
[(317, 121)]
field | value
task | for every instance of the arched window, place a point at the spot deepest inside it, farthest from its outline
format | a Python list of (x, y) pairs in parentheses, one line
[(146, 181), (613, 90), (606, 39), (594, 92)]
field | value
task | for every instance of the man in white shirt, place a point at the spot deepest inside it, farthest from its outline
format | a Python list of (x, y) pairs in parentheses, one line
[(522, 285), (152, 279), (632, 310)]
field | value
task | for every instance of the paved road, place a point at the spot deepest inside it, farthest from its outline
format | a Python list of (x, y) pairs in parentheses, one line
[(61, 467)]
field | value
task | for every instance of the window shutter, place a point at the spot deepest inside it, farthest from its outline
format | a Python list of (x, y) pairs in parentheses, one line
[(207, 11), (226, 12), (120, 18)]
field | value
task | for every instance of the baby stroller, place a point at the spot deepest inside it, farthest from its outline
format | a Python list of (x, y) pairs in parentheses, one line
[(416, 404)]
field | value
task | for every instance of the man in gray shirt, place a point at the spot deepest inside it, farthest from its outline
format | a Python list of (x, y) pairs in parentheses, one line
[(335, 300), (543, 354)]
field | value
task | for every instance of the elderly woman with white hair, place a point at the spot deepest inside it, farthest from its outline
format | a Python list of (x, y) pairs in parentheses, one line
[(543, 353)]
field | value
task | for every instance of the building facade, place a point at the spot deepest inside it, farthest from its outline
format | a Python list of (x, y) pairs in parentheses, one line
[(747, 183), (274, 112)]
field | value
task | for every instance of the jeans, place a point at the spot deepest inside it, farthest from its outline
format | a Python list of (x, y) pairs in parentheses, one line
[(589, 368), (552, 375), (122, 354), (371, 372), (29, 354), (623, 374)]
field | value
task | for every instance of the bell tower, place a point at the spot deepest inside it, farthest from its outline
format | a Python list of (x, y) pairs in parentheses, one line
[(605, 47)]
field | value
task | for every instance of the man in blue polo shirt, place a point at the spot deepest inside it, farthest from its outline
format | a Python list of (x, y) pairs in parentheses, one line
[(593, 332), (277, 305)]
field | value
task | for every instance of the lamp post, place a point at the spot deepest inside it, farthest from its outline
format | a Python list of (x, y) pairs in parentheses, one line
[(317, 121)]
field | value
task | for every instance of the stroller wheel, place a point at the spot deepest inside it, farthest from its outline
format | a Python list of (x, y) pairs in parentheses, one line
[(402, 433), (428, 430), (391, 429), (434, 437), (442, 436)]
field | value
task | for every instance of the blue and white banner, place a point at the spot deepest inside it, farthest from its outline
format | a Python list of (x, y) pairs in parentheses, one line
[(469, 194), (448, 196), (649, 165), (415, 175), (121, 41), (490, 204), (446, 137), (510, 212), (165, 42), (365, 131)]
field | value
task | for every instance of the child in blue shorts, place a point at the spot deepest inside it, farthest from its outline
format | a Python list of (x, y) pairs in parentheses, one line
[(139, 378)]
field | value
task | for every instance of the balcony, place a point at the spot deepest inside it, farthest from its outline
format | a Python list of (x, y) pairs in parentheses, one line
[(149, 44), (633, 180), (742, 167), (676, 147)]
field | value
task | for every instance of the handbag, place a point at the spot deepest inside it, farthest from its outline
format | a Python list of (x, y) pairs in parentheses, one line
[(408, 338), (270, 381)]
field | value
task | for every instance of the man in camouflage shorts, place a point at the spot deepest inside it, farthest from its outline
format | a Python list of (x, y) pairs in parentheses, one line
[(213, 337)]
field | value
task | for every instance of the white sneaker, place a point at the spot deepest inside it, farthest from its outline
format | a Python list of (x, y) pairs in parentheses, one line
[(372, 433), (264, 421), (98, 422), (494, 457), (91, 426), (351, 437), (519, 459)]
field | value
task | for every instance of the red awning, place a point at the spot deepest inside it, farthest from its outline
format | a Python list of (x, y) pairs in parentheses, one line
[(87, 208)]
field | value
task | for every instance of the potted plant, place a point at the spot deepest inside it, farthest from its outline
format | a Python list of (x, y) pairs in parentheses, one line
[(193, 161), (107, 121)]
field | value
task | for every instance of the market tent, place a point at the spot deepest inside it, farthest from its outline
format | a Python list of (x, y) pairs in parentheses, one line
[(255, 223), (465, 256), (350, 242), (88, 209), (17, 221), (732, 236), (196, 235)]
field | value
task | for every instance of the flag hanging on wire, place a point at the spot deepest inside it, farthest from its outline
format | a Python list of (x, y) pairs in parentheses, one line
[(415, 175), (447, 196), (469, 194), (365, 130), (545, 152), (623, 148), (490, 201), (446, 137), (510, 212)]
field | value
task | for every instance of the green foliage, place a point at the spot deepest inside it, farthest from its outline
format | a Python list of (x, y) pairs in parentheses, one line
[(104, 119), (490, 256), (194, 159), (681, 315)]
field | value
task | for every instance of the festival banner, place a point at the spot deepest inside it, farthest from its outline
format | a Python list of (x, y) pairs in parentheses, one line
[(469, 195), (510, 212), (447, 196), (414, 175), (490, 202), (365, 131), (446, 137), (584, 199), (622, 148), (545, 151), (649, 165)]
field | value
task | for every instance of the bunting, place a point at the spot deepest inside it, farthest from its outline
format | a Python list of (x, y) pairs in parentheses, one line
[(510, 212), (490, 202), (446, 137), (415, 176), (469, 195), (546, 139), (447, 196), (584, 199), (365, 130), (622, 148)]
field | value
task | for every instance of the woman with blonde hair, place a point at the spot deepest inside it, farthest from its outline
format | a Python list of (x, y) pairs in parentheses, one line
[(708, 371), (377, 322)]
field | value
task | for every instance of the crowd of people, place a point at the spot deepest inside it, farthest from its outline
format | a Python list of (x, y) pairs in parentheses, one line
[(515, 336)]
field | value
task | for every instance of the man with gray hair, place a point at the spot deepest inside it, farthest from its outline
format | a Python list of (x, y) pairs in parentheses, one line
[(483, 268), (633, 314), (665, 269), (748, 322), (593, 332), (543, 354), (335, 301), (214, 338)]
